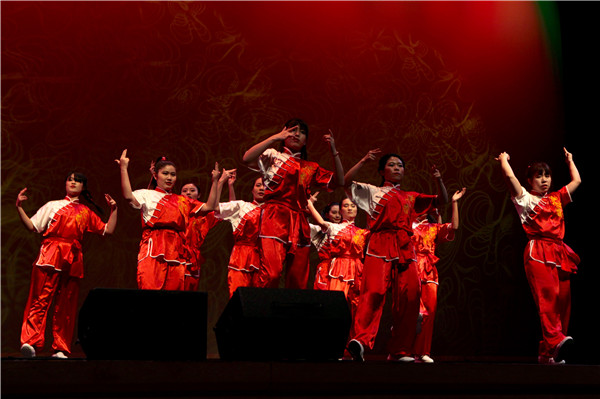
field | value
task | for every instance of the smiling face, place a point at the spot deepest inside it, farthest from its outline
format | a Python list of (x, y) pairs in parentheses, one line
[(191, 191), (393, 170), (166, 177), (333, 215), (73, 186)]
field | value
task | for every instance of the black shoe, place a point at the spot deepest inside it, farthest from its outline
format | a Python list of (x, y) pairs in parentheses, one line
[(356, 350), (564, 350)]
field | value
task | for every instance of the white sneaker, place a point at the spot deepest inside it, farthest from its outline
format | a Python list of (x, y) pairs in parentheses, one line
[(549, 360), (27, 351), (59, 355), (426, 359), (400, 359)]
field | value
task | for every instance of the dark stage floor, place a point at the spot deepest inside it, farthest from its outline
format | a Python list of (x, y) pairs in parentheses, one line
[(82, 378)]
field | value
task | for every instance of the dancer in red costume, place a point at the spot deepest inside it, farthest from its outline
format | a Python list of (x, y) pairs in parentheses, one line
[(284, 233), (161, 258), (58, 270), (244, 262), (549, 262), (199, 225), (427, 234), (195, 233), (331, 213), (340, 247), (390, 256)]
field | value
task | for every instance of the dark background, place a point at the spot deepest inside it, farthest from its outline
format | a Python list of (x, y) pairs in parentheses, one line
[(445, 83)]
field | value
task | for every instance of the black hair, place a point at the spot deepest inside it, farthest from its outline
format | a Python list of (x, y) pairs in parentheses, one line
[(160, 163), (325, 211), (538, 167), (345, 197), (433, 215), (303, 129), (383, 161), (85, 193), (254, 179), (193, 184)]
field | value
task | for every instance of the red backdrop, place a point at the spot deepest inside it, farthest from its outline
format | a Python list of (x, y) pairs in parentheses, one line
[(444, 83)]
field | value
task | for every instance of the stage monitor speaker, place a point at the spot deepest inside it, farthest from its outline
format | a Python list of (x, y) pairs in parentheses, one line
[(125, 324), (283, 324)]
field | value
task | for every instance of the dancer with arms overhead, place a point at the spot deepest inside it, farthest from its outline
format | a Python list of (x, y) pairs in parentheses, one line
[(549, 262)]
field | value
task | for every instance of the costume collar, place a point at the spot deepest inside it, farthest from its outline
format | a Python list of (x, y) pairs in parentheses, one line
[(72, 199), (293, 154), (420, 222), (389, 184), (533, 192), (160, 190)]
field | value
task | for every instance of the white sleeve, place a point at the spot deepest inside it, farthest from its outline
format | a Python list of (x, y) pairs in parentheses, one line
[(229, 211), (362, 195), (141, 196), (523, 204), (42, 217), (317, 235), (265, 161)]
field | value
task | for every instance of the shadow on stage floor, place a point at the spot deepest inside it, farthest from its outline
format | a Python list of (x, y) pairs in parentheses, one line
[(375, 378)]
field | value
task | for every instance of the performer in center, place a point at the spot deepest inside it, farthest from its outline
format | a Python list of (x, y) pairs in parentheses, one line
[(390, 256), (284, 233)]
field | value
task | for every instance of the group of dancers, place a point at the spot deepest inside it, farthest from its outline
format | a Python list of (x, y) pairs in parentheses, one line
[(273, 237)]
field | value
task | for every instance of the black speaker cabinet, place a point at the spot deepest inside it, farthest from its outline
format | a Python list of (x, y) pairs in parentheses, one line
[(283, 324), (143, 325)]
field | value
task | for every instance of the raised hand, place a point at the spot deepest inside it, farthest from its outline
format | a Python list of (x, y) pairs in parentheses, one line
[(372, 155), (329, 138), (286, 132), (568, 156), (227, 174), (575, 176), (110, 201), (232, 176), (21, 196), (215, 173), (458, 194), (123, 161), (503, 157), (435, 172)]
